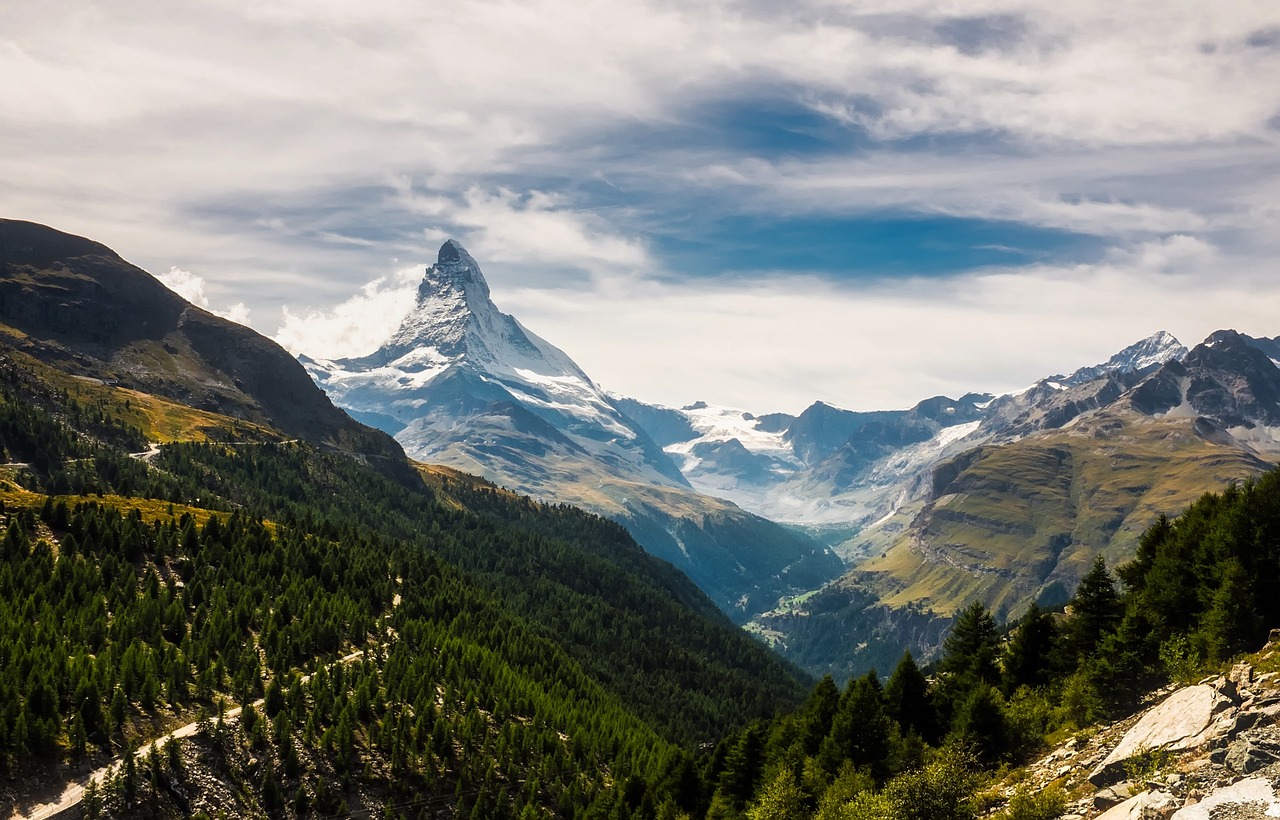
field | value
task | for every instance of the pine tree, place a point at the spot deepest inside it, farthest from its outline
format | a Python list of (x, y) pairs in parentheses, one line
[(970, 651), (1232, 618), (1028, 660), (861, 730), (907, 699), (980, 723), (742, 766), (1095, 610), (781, 799), (819, 711)]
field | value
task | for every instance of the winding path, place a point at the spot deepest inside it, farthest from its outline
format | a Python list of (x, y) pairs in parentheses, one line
[(74, 791)]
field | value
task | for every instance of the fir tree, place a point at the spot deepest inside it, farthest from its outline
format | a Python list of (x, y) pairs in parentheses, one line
[(1095, 610), (907, 699)]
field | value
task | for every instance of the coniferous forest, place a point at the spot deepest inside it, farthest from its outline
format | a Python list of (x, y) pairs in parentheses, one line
[(430, 644)]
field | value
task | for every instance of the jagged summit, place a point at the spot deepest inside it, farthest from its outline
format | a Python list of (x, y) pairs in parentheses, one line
[(455, 268), (456, 351), (455, 322), (1157, 348), (450, 251), (1148, 353)]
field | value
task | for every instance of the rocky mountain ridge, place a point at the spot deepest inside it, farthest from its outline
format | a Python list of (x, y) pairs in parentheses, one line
[(75, 303)]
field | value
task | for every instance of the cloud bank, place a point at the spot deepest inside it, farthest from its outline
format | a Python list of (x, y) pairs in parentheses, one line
[(634, 176)]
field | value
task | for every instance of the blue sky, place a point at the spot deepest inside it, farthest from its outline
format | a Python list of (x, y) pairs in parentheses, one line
[(755, 204)]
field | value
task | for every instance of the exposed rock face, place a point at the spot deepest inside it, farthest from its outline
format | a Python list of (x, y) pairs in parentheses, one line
[(1252, 792), (1185, 720), (1216, 752), (1141, 806)]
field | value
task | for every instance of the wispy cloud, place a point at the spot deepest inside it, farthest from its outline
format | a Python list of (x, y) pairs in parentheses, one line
[(191, 287), (293, 151)]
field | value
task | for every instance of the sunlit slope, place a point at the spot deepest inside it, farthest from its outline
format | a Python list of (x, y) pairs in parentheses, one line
[(1022, 521)]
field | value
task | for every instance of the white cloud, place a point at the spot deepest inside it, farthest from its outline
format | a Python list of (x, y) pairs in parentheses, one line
[(355, 326), (186, 284), (534, 228), (191, 287), (269, 147), (782, 344)]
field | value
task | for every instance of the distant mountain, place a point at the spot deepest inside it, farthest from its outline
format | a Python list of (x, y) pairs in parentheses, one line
[(463, 384), (1004, 498)]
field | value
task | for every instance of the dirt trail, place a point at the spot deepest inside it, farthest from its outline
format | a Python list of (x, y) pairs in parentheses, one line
[(74, 791)]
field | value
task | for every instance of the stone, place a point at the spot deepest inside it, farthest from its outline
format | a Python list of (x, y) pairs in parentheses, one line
[(1245, 757), (1252, 791), (1112, 796), (1241, 674), (1142, 806), (1184, 720)]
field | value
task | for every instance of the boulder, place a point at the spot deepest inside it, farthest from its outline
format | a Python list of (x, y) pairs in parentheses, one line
[(1112, 796), (1142, 807), (1252, 791), (1245, 756), (1185, 720), (1241, 674)]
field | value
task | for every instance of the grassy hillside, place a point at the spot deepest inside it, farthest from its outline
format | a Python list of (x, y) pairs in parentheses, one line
[(1022, 521), (1005, 525)]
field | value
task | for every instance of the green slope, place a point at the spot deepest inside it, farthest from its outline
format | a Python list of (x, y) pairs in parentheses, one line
[(519, 656), (1011, 523)]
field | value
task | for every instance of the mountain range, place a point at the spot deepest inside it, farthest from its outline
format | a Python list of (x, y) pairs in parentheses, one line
[(1005, 498), (187, 520), (188, 523)]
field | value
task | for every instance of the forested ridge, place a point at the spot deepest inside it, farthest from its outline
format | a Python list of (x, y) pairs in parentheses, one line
[(445, 648), (1199, 593), (521, 659)]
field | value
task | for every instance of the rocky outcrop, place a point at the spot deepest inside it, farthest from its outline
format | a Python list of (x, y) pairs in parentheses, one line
[(1187, 719), (1142, 806), (1210, 751)]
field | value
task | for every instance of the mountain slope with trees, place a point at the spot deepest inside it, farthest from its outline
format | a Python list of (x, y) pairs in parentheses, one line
[(161, 561)]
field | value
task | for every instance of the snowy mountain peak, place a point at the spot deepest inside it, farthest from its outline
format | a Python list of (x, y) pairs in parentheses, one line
[(1157, 348), (1152, 351), (455, 269), (456, 353), (455, 321)]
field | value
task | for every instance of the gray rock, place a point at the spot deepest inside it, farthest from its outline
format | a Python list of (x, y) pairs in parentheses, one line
[(1241, 674), (1112, 796), (1254, 792), (1143, 806), (1187, 719), (1245, 756)]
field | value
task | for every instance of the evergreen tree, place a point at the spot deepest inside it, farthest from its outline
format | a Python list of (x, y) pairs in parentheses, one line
[(781, 799), (970, 651), (818, 713), (743, 766), (907, 700), (980, 723), (860, 731), (1095, 610), (1232, 618), (1028, 660)]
